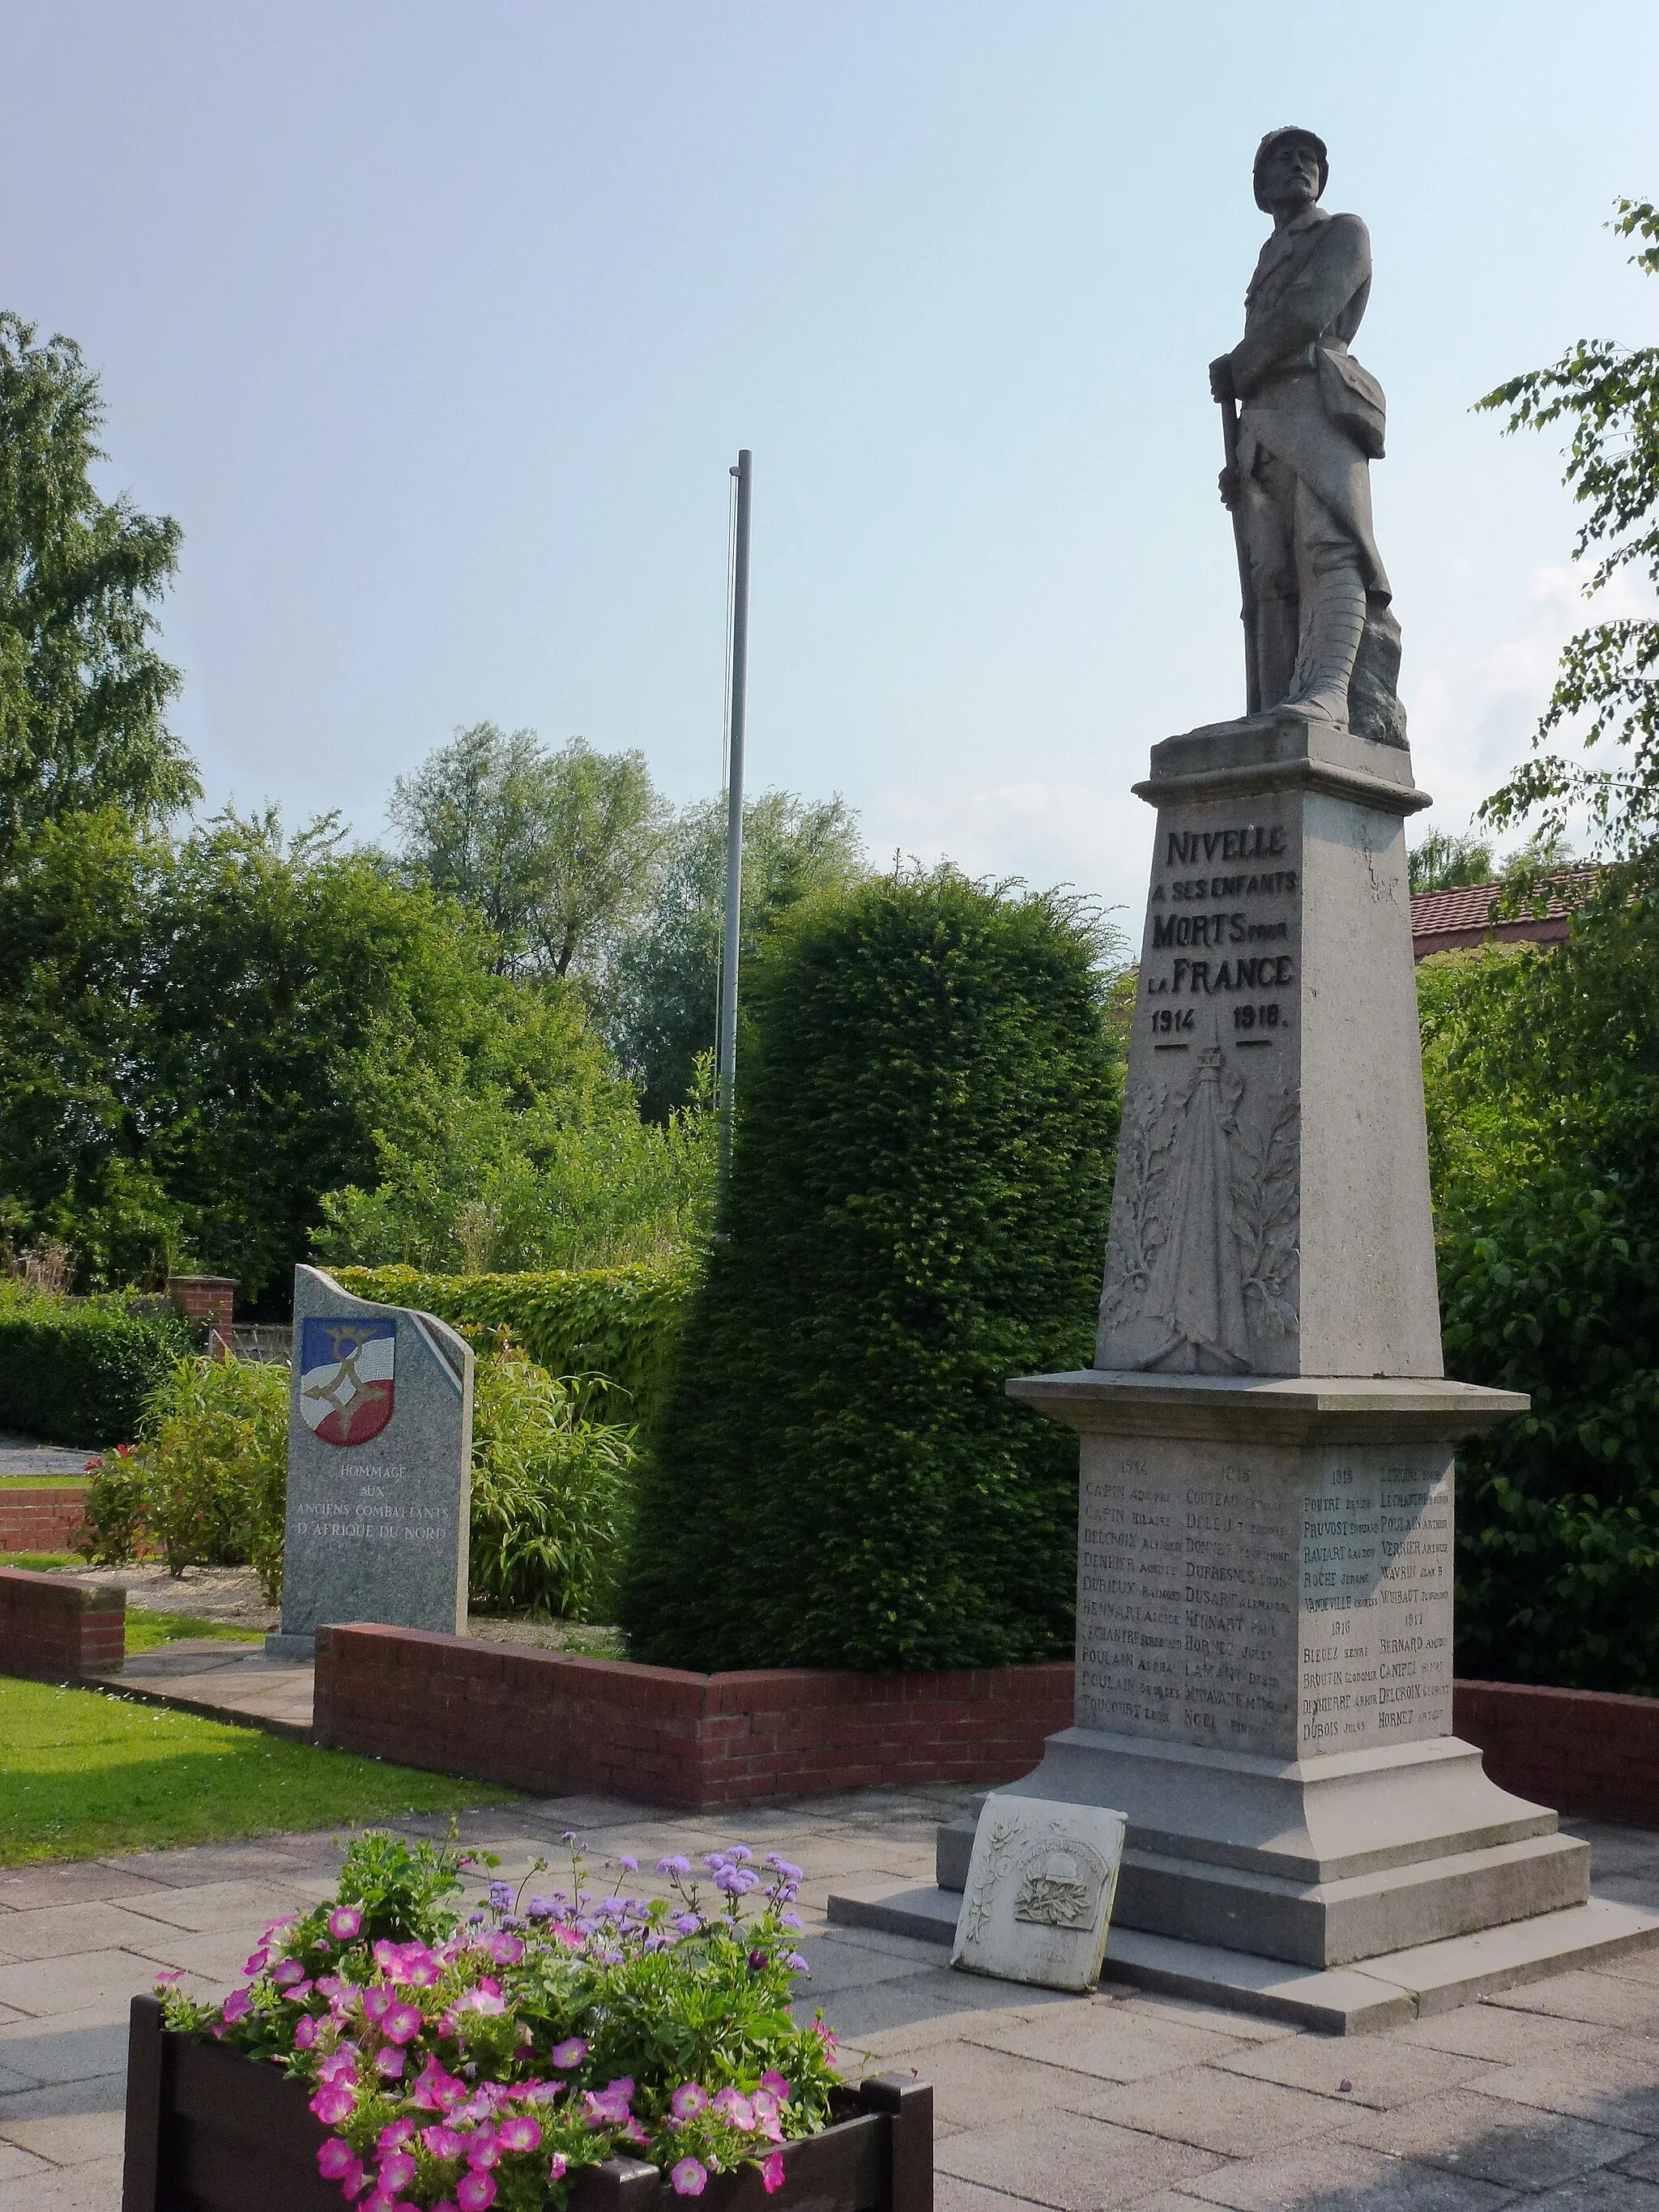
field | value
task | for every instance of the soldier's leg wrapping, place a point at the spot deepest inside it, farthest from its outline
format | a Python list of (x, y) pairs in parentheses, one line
[(1333, 595), (1267, 508)]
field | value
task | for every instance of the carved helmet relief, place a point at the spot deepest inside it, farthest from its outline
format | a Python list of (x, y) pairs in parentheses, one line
[(1205, 1222)]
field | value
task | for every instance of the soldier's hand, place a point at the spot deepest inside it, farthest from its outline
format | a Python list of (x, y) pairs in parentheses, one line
[(1221, 379), (1227, 484)]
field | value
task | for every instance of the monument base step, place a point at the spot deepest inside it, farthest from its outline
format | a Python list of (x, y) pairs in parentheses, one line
[(1382, 1992), (301, 1649)]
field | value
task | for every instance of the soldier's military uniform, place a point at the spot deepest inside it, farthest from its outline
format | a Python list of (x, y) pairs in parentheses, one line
[(1311, 423)]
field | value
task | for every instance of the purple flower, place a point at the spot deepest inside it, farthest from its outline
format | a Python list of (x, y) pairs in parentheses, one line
[(687, 1922), (791, 1920), (715, 1861), (519, 2133), (570, 2052), (476, 2192), (501, 1897), (676, 1865), (771, 2171), (690, 2176), (629, 1860), (797, 1964), (736, 1882), (738, 1854), (345, 1921), (687, 2100), (783, 1868), (541, 1908)]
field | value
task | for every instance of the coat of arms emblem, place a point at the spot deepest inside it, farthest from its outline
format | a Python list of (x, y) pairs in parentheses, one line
[(346, 1382)]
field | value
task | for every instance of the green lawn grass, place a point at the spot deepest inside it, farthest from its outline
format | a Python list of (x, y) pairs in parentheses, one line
[(41, 1563), (145, 1630), (82, 1773), (44, 1482)]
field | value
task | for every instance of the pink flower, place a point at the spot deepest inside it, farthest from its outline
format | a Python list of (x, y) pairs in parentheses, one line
[(402, 2023), (570, 2052), (335, 2159), (690, 2176), (256, 1962), (390, 2063), (519, 2133), (775, 2082), (298, 1993), (476, 2192), (287, 1973), (305, 2032), (557, 2166), (173, 1974), (731, 2105), (484, 2150), (238, 2005), (443, 2141), (608, 2107), (376, 2003), (397, 2136), (766, 2122), (337, 2067), (771, 2170), (505, 1950), (331, 2105), (345, 1921), (687, 2100), (396, 2170)]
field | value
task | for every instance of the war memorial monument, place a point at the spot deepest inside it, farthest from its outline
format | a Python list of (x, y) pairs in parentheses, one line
[(1264, 1612)]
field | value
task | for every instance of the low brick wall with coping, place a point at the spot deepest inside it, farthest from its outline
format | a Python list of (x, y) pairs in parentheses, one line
[(556, 1724), (40, 1520), (52, 1631), (1581, 1751)]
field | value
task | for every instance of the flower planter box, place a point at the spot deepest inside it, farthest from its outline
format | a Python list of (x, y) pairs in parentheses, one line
[(208, 2131)]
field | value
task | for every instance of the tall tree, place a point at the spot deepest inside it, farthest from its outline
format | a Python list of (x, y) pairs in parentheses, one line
[(1608, 684), (657, 1000), (555, 850), (83, 692)]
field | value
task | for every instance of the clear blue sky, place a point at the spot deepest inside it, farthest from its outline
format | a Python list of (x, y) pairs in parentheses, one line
[(438, 326)]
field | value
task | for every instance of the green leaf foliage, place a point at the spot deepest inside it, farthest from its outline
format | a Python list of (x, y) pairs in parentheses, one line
[(83, 693), (549, 1493), (620, 1326), (1541, 1073), (928, 1092), (78, 1371)]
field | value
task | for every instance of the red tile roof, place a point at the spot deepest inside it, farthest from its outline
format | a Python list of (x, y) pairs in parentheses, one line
[(1442, 920)]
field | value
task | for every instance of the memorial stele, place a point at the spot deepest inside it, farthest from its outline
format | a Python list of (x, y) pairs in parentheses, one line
[(379, 1468), (1264, 1592)]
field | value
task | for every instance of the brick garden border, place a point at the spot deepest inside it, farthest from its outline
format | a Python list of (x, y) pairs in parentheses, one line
[(52, 1631), (1582, 1750), (558, 1725), (41, 1520)]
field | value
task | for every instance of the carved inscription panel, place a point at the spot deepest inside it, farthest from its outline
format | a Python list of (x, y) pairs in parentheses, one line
[(1201, 1263), (1282, 1601)]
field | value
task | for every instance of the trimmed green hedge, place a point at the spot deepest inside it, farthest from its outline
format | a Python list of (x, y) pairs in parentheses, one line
[(916, 1211), (621, 1322), (77, 1371)]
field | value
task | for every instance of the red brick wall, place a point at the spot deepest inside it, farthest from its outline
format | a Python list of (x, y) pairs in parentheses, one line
[(556, 1724), (1581, 1751), (207, 1301), (59, 1632), (40, 1520)]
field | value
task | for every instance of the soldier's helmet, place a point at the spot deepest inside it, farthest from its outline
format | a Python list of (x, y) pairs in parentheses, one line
[(1277, 137)]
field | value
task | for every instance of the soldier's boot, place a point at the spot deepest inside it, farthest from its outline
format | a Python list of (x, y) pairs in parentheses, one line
[(1330, 642)]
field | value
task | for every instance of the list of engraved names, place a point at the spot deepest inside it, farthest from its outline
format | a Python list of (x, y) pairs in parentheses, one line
[(1275, 1602)]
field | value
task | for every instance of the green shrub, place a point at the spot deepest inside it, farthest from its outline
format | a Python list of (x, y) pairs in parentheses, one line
[(112, 1521), (550, 1489), (207, 1483), (622, 1324), (77, 1371), (917, 1213)]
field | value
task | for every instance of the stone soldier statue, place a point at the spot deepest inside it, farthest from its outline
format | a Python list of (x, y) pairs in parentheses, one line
[(1311, 422)]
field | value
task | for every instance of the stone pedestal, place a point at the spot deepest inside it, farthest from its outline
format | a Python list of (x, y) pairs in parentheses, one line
[(1265, 1536)]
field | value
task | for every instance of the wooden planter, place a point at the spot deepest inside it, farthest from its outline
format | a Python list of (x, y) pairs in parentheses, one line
[(208, 2131)]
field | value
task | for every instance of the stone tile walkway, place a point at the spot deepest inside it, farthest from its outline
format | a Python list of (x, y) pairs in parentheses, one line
[(1546, 2098), (224, 1680)]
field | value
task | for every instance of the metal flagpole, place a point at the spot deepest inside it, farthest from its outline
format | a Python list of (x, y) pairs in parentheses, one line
[(726, 1055)]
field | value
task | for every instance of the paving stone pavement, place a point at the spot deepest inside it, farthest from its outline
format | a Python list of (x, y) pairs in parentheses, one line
[(1547, 2097)]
